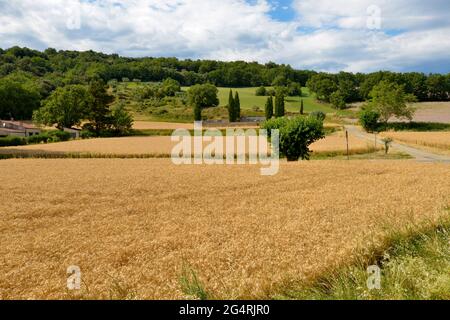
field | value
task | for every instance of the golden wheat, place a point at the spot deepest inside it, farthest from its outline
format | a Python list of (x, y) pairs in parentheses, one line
[(131, 225), (338, 143), (438, 140), (163, 146)]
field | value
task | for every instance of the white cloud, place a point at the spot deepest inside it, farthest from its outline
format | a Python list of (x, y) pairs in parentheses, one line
[(326, 34)]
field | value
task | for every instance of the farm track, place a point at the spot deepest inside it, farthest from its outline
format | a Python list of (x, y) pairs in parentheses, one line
[(418, 154)]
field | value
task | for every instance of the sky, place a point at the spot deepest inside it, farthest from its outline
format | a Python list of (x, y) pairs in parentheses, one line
[(322, 35)]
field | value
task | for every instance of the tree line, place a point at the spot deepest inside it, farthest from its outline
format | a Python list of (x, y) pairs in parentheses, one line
[(343, 88), (28, 77)]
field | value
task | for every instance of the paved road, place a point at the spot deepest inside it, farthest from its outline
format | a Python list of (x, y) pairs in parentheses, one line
[(418, 154)]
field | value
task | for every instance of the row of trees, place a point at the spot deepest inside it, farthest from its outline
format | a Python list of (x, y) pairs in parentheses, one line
[(292, 89), (343, 88), (72, 67), (72, 105), (234, 107), (278, 105)]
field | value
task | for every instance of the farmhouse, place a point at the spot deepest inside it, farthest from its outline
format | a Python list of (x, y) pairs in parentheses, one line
[(16, 128)]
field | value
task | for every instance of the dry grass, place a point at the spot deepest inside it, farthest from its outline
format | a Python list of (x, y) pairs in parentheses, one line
[(131, 225), (437, 140)]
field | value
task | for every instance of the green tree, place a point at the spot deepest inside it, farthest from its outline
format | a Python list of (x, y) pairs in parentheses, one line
[(269, 108), (279, 105), (337, 99), (99, 101), (279, 81), (66, 107), (261, 91), (390, 100), (296, 135), (170, 87), (302, 107), (203, 96), (231, 113), (294, 89), (121, 120), (237, 107), (16, 101), (323, 85), (369, 119), (197, 113)]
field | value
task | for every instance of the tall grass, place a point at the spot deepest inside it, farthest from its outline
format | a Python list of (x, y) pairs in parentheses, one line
[(415, 265)]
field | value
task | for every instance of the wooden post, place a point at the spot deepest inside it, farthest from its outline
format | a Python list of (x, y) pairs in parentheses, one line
[(348, 151)]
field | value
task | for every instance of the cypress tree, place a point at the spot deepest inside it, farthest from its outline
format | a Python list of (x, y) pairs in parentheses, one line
[(237, 107), (231, 113), (302, 108), (279, 106), (269, 108), (197, 113)]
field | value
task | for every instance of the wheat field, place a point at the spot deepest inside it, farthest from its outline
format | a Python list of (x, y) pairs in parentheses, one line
[(437, 140), (131, 225), (337, 142), (162, 146)]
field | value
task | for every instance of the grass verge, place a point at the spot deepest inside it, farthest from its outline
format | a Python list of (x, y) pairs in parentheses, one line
[(414, 266)]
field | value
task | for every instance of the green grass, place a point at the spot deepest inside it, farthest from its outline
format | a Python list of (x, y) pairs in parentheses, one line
[(414, 266), (362, 155), (249, 101)]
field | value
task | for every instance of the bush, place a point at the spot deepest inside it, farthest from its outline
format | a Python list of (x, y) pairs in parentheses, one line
[(296, 135), (40, 138), (87, 134), (261, 91), (294, 89), (274, 124), (318, 115), (369, 119), (57, 136), (12, 141)]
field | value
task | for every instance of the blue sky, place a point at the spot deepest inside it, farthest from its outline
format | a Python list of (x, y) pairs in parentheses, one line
[(325, 35)]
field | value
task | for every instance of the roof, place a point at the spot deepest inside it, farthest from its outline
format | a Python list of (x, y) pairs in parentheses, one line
[(11, 130), (24, 125), (72, 129)]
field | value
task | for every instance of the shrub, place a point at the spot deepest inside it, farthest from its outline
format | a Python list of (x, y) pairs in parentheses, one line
[(369, 119), (12, 141), (40, 138), (57, 136), (87, 134), (274, 124), (318, 115), (296, 135), (294, 89), (261, 91)]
